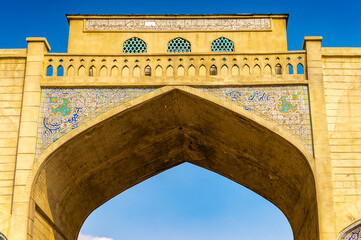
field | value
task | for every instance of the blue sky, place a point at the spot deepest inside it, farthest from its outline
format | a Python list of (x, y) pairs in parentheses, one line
[(337, 21), (185, 202), (188, 202)]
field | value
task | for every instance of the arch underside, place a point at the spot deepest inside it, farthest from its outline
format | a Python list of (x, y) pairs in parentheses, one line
[(161, 133)]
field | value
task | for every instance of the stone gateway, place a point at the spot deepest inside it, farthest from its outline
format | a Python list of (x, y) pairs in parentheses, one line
[(138, 94)]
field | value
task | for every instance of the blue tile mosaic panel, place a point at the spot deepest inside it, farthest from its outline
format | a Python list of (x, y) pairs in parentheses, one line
[(351, 233), (64, 109), (287, 106)]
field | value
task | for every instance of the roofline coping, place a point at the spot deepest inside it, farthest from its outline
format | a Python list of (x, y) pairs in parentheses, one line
[(179, 16)]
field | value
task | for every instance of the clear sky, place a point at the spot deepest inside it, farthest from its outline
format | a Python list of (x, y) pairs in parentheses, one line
[(185, 202)]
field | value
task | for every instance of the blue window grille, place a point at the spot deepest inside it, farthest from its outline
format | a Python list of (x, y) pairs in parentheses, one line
[(179, 45), (222, 45), (134, 45)]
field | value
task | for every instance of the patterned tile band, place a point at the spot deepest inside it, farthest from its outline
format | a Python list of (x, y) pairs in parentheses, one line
[(2, 236), (64, 109), (353, 232), (287, 106)]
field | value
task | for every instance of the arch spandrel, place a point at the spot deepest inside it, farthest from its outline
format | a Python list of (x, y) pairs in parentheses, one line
[(160, 130), (63, 110)]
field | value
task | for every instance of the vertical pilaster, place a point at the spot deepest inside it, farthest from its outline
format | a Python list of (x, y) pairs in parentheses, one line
[(37, 47), (323, 175)]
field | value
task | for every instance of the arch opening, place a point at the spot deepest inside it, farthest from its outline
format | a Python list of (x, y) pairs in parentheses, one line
[(187, 202), (142, 141)]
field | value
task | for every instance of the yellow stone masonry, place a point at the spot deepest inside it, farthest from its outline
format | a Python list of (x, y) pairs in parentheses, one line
[(342, 75), (12, 71)]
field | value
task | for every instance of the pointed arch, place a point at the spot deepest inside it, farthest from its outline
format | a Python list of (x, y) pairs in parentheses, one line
[(81, 71), (49, 71), (222, 44), (114, 71), (252, 153), (180, 71), (70, 71), (213, 70), (245, 70), (158, 71), (136, 71), (202, 70), (256, 71), (147, 71), (267, 70), (179, 45), (169, 71), (235, 70), (92, 71), (134, 45), (290, 69), (191, 71), (300, 69), (224, 70), (125, 71), (278, 69), (103, 71), (60, 71)]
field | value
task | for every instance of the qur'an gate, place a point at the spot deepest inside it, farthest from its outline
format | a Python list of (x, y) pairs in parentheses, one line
[(138, 94)]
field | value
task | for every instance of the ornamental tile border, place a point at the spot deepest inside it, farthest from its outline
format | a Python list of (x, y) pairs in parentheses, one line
[(64, 109), (353, 232)]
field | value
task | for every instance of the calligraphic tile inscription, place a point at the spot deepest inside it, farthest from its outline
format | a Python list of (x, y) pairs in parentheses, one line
[(286, 106), (64, 109), (179, 24)]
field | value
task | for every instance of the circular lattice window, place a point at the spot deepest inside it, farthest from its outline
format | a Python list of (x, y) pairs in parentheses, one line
[(222, 45), (179, 45), (135, 45)]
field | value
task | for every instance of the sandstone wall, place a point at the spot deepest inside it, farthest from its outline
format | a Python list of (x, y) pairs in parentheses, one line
[(12, 69), (342, 81)]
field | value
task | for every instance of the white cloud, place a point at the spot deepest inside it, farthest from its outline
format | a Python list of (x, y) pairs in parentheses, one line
[(88, 237)]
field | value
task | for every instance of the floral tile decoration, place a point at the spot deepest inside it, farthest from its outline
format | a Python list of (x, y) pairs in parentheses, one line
[(287, 106), (64, 109)]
